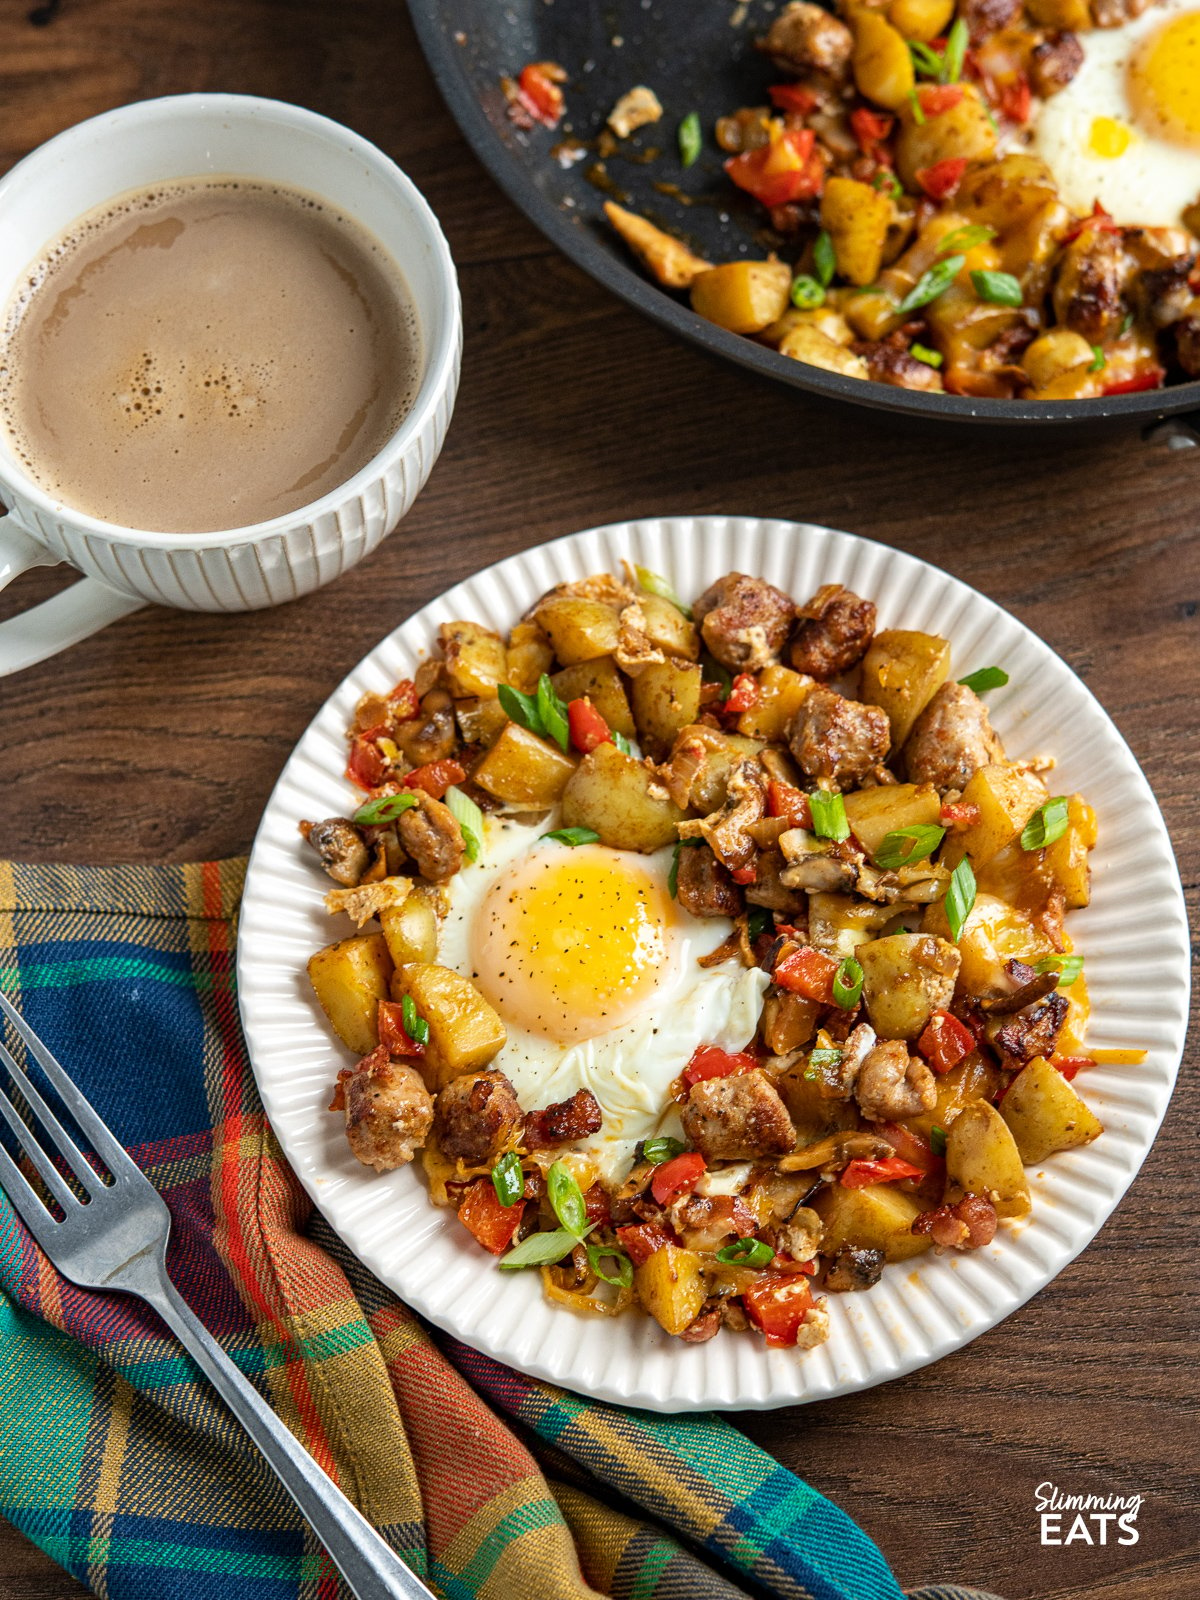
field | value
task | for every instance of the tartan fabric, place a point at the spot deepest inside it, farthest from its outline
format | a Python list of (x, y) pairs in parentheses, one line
[(119, 1462)]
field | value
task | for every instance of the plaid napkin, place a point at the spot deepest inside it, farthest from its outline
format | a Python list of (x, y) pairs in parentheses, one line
[(116, 1458)]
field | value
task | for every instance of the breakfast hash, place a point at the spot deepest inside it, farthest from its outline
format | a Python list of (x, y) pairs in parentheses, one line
[(710, 957)]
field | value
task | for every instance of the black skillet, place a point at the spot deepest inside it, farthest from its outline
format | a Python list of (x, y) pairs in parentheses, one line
[(697, 56)]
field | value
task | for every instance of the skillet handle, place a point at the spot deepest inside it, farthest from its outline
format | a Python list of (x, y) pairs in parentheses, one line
[(1179, 433)]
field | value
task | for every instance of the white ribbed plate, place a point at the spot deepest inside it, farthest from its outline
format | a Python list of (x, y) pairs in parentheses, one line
[(1133, 936)]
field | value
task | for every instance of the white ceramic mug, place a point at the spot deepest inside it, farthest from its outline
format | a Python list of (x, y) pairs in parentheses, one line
[(239, 569)]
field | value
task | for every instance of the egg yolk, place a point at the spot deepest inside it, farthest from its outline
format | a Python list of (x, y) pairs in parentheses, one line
[(1108, 138), (1164, 80), (571, 942)]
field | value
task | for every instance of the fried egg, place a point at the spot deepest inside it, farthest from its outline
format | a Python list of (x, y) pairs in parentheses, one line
[(593, 967), (1126, 129)]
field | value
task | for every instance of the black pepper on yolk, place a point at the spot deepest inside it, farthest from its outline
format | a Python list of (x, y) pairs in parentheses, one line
[(571, 943)]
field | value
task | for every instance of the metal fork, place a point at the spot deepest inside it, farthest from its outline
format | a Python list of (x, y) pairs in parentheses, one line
[(117, 1240)]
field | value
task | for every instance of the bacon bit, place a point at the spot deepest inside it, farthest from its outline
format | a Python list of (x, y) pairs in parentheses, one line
[(576, 1118), (403, 700), (538, 94), (367, 766), (743, 696), (968, 1225), (640, 1240), (435, 778), (393, 1035), (793, 97), (807, 972), (596, 1205), (871, 128), (338, 1103), (1016, 100), (710, 1061), (784, 801), (1099, 218), (1151, 378), (1070, 1065), (934, 98), (942, 179), (957, 815)]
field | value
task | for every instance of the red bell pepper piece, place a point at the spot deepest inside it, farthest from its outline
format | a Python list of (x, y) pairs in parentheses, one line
[(1016, 99), (403, 700), (587, 727), (1070, 1065), (543, 98), (677, 1176), (367, 766), (492, 1223), (807, 972), (435, 778), (945, 1042), (777, 1304), (640, 1240), (909, 1146), (393, 1033), (747, 874), (942, 179), (784, 801), (861, 1174), (956, 815), (871, 128), (793, 97), (1149, 378), (710, 1061), (934, 98), (743, 695), (788, 168), (1099, 218)]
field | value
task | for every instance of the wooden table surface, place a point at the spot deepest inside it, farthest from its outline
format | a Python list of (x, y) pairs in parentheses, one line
[(161, 738)]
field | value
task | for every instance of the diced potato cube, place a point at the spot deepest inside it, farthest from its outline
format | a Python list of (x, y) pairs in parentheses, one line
[(523, 769), (480, 721), (878, 1217), (670, 1284), (803, 342), (922, 20), (1044, 1113), (578, 628), (857, 218), (666, 697), (906, 978), (993, 934), (464, 1031), (964, 129), (982, 1158), (781, 693), (902, 671), (973, 1079), (743, 296), (599, 681), (350, 979), (874, 813), (529, 655), (1006, 797), (411, 928), (839, 924), (620, 800), (476, 660), (668, 629), (1067, 858), (883, 68)]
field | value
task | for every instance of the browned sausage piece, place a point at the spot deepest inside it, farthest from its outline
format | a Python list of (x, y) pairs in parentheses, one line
[(389, 1111), (432, 838), (965, 1226), (988, 16), (478, 1118), (836, 627), (575, 1118), (805, 38), (1087, 295), (1053, 63), (1115, 13), (951, 739), (887, 363), (705, 887), (737, 1117), (1187, 340), (837, 740), (745, 621)]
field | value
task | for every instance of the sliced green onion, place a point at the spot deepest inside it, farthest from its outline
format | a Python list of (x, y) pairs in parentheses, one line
[(553, 712), (664, 1148), (386, 809), (914, 102), (998, 288), (566, 1199), (522, 708), (887, 181), (415, 1025), (673, 874), (931, 284), (903, 846), (824, 259), (1067, 967), (822, 1058), (960, 897), (758, 921), (470, 821), (956, 51), (937, 1140), (925, 59), (746, 1253), (622, 743), (539, 1250), (807, 293), (690, 138), (1126, 323), (828, 814), (573, 836), (960, 240), (711, 671), (653, 584), (1098, 362), (1048, 822), (847, 984), (985, 678), (508, 1180), (922, 352), (597, 1253)]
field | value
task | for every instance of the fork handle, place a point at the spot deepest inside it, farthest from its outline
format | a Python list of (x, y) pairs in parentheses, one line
[(372, 1568)]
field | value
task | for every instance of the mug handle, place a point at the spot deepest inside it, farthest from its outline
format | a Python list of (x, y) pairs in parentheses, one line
[(63, 620)]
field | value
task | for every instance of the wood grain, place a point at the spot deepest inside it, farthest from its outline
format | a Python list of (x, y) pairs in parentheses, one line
[(161, 739)]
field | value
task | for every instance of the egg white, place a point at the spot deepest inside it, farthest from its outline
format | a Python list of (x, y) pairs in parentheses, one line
[(629, 1068), (1152, 181)]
